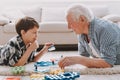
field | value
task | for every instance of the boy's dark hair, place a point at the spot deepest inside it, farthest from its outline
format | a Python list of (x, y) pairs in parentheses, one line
[(25, 24)]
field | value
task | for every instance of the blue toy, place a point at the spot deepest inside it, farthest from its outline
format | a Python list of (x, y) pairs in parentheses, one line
[(43, 63), (43, 66), (64, 76)]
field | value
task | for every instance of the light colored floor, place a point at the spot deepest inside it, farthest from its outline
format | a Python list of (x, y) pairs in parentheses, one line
[(82, 77), (58, 55)]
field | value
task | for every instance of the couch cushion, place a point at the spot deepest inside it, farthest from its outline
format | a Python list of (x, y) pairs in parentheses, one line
[(53, 14), (45, 27), (3, 20), (58, 13), (9, 28), (54, 27), (100, 10), (13, 14), (34, 11), (112, 17)]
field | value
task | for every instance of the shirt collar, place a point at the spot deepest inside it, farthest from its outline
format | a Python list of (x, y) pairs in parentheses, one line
[(91, 29)]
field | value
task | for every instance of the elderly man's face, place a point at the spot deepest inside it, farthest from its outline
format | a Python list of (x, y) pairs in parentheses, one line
[(76, 25)]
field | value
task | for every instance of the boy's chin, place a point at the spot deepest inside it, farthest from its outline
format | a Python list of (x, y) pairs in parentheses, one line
[(32, 41)]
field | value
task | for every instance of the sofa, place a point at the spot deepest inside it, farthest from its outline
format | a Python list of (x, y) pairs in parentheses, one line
[(53, 25)]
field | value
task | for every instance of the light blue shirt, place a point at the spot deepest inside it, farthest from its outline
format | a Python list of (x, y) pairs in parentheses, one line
[(105, 39)]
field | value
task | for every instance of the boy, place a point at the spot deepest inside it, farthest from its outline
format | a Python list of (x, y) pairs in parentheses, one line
[(21, 49)]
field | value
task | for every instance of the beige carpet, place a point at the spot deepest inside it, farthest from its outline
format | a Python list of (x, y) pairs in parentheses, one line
[(82, 69), (29, 68), (94, 71)]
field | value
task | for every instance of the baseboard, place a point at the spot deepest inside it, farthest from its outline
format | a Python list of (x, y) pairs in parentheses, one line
[(65, 47)]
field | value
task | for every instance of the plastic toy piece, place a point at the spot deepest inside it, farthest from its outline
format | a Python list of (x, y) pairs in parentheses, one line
[(43, 63), (51, 48), (12, 78), (36, 68), (41, 66), (64, 76), (56, 71), (18, 69), (36, 77), (53, 61)]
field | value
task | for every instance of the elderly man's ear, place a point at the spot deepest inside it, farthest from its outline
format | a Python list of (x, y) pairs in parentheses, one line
[(82, 19)]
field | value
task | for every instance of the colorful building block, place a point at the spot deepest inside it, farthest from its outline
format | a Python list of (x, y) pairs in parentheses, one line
[(64, 76)]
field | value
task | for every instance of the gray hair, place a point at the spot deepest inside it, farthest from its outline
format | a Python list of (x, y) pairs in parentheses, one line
[(78, 10)]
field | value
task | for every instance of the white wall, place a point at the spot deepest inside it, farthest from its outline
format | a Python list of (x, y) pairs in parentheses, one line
[(113, 4)]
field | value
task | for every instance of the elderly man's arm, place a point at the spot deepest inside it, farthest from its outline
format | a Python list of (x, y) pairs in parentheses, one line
[(86, 61)]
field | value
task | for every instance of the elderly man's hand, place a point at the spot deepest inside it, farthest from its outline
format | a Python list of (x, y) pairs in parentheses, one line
[(67, 61)]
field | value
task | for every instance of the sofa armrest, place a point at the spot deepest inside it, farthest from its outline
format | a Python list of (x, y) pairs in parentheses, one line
[(54, 27), (100, 10), (9, 28), (112, 17), (3, 20)]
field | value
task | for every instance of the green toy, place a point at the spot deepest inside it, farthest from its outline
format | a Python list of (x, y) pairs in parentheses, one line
[(17, 69)]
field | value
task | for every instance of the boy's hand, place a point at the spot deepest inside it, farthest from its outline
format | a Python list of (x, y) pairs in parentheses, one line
[(34, 45), (47, 45)]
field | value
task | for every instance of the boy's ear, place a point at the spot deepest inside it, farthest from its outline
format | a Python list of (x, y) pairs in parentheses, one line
[(22, 32)]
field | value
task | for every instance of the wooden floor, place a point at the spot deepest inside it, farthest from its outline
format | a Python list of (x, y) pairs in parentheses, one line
[(58, 54)]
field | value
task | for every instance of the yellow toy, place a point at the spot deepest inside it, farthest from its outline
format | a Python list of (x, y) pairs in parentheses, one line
[(37, 76), (56, 71)]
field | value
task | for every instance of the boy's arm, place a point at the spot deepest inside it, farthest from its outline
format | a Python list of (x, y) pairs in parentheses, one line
[(43, 51), (27, 54)]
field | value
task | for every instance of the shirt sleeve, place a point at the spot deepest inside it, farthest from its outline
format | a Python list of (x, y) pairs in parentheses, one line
[(108, 46), (8, 54), (14, 53)]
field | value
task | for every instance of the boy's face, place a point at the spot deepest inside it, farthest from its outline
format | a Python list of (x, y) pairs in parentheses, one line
[(31, 35)]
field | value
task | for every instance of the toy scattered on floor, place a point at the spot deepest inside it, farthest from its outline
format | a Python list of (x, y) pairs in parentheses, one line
[(52, 72), (18, 69), (56, 71), (64, 76), (37, 76), (43, 66), (12, 78), (51, 48), (47, 68), (44, 63), (53, 61)]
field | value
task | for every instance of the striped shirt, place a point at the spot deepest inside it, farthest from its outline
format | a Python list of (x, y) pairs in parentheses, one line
[(105, 39), (11, 52)]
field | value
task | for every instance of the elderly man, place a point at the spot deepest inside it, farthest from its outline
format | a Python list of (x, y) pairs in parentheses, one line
[(98, 40)]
